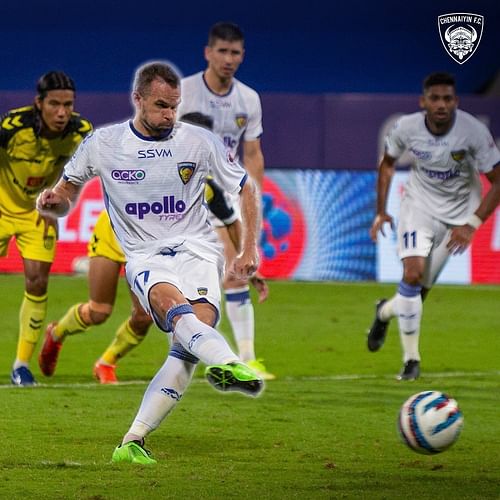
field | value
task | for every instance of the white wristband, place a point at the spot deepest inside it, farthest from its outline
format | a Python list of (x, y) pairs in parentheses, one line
[(474, 221)]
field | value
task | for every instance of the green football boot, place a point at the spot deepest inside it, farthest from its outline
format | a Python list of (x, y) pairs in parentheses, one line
[(234, 377), (133, 453)]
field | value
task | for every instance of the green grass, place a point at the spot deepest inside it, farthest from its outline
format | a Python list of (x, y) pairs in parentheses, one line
[(325, 429)]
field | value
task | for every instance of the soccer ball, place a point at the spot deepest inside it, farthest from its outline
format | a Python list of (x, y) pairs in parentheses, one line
[(430, 422)]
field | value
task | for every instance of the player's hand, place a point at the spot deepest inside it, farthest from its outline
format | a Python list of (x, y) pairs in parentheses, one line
[(47, 222), (50, 204), (260, 286), (378, 225), (460, 239), (245, 264)]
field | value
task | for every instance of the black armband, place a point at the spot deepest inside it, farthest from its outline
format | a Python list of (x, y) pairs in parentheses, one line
[(218, 204)]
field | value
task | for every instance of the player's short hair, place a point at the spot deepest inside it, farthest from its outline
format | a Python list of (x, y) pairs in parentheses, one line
[(438, 78), (151, 71), (229, 32), (54, 80), (197, 118)]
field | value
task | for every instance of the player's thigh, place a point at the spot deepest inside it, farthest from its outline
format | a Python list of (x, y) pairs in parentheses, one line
[(415, 232), (103, 242), (162, 281), (103, 279), (438, 257), (7, 230), (32, 241)]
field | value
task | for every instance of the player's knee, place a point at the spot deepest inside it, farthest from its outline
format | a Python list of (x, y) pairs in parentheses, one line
[(95, 313), (37, 284), (160, 300)]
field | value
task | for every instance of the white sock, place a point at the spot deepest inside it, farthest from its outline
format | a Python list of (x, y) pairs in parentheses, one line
[(409, 316), (240, 313), (388, 310), (162, 394), (203, 341)]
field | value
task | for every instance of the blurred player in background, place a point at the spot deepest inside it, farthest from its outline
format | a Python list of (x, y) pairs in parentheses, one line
[(174, 260), (106, 259), (35, 143), (237, 115), (441, 208)]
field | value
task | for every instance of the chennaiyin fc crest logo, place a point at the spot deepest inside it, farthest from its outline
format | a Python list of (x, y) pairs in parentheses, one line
[(460, 34)]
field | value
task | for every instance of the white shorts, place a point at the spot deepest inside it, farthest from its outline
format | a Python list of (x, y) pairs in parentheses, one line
[(196, 278), (421, 235)]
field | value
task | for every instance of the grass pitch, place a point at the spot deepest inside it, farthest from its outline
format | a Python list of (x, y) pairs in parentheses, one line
[(325, 429)]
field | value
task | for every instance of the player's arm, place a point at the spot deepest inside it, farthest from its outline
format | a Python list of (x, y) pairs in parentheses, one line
[(492, 198), (461, 236), (385, 173), (247, 262), (253, 158), (218, 205), (58, 201)]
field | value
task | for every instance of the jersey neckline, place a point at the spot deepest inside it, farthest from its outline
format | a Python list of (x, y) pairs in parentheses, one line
[(149, 138)]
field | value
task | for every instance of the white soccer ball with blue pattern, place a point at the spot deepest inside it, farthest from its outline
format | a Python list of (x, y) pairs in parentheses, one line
[(430, 422)]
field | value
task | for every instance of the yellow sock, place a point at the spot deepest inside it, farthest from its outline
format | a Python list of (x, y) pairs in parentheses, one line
[(69, 324), (125, 340), (31, 318)]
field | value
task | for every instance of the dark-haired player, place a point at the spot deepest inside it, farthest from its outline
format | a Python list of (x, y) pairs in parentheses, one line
[(442, 206), (236, 112), (35, 143)]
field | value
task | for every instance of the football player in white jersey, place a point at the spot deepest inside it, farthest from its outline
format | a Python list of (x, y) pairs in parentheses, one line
[(441, 208), (237, 116), (153, 172)]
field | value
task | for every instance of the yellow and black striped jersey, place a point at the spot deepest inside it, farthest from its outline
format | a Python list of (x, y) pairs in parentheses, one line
[(29, 162)]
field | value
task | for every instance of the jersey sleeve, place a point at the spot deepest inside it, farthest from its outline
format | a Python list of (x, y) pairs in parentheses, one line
[(80, 167), (485, 150), (254, 126), (395, 143), (227, 171)]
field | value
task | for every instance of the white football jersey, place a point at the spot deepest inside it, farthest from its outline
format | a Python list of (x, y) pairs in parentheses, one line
[(237, 115), (444, 178), (154, 189)]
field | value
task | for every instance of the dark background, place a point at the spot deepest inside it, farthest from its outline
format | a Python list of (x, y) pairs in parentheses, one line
[(310, 47)]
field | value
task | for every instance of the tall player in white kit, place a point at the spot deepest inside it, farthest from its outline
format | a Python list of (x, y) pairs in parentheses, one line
[(153, 172), (441, 208), (237, 117)]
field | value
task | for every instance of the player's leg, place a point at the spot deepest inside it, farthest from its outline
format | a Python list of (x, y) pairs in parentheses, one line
[(191, 333), (103, 282), (192, 325), (240, 311), (36, 242), (128, 336), (31, 318), (162, 395), (409, 306), (418, 234), (420, 273)]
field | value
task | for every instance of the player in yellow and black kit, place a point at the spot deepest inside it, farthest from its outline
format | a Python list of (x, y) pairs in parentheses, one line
[(106, 260), (35, 143)]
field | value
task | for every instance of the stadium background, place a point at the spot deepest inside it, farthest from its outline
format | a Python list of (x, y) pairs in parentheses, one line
[(332, 79)]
